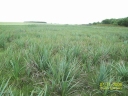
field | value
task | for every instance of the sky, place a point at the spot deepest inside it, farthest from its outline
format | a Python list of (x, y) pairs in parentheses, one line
[(62, 11)]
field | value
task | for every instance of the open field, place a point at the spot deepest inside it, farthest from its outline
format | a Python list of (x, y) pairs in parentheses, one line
[(13, 23), (63, 60), (20, 23)]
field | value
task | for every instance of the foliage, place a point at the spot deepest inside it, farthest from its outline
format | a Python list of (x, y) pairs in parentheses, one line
[(120, 21), (62, 60)]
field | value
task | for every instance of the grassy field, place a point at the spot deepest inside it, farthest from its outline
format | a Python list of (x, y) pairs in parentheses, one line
[(20, 23), (63, 60)]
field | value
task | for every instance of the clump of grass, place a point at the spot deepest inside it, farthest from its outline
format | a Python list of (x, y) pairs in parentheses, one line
[(62, 76), (40, 56), (15, 63), (4, 88), (72, 52), (2, 43), (105, 75), (122, 72), (16, 68)]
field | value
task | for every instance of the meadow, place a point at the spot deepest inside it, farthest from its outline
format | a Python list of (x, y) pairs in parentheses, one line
[(63, 60)]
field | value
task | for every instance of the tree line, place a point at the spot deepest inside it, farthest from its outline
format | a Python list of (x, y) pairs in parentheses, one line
[(120, 21), (34, 22)]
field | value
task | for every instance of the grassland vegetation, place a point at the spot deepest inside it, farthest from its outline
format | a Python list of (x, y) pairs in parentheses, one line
[(62, 60)]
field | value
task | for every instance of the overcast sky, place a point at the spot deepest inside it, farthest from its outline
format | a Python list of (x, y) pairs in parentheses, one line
[(62, 11)]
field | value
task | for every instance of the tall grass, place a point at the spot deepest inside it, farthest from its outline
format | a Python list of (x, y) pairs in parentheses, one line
[(62, 60), (62, 76), (4, 88)]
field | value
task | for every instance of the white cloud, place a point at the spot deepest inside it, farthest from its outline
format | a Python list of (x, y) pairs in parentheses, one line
[(62, 11)]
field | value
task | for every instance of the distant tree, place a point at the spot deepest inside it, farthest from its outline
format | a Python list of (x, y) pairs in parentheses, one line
[(120, 21), (94, 23), (123, 22), (35, 22), (106, 21)]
